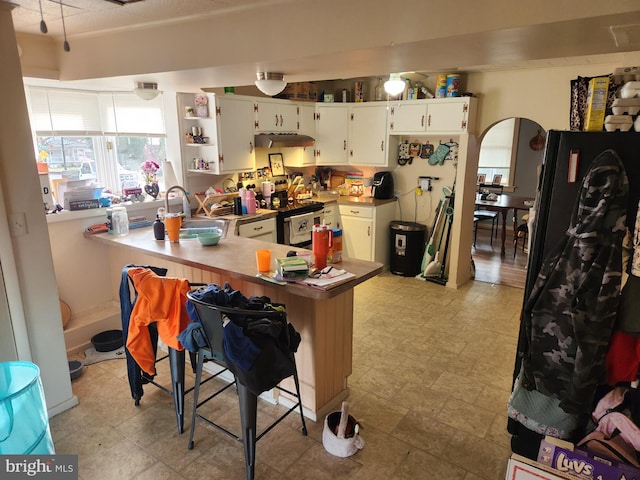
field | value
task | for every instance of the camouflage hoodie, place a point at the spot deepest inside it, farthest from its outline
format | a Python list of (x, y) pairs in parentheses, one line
[(569, 316)]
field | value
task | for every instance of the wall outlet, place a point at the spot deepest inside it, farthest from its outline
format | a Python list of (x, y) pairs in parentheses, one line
[(396, 193), (425, 183)]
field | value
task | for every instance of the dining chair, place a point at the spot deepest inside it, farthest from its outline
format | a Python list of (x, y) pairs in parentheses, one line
[(484, 215), (522, 232), (218, 343)]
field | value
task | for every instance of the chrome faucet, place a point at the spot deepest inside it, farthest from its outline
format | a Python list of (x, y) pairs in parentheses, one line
[(166, 196)]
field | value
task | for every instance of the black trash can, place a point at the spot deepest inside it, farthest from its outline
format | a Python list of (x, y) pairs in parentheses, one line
[(407, 247)]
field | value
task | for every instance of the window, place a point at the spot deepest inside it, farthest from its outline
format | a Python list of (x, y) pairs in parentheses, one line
[(497, 153), (97, 136)]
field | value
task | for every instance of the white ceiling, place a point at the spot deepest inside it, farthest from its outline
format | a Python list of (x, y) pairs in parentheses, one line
[(529, 37)]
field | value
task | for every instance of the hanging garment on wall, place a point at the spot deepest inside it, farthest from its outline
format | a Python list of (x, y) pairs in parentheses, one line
[(542, 414), (623, 357), (569, 316), (628, 318)]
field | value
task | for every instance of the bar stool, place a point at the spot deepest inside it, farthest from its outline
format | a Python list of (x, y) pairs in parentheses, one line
[(212, 318), (138, 378)]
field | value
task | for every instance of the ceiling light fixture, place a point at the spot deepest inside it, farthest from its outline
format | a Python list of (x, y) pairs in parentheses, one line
[(43, 24), (395, 85), (270, 83), (65, 45), (146, 91)]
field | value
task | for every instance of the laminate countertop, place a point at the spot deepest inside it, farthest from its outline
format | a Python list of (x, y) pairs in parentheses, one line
[(233, 257)]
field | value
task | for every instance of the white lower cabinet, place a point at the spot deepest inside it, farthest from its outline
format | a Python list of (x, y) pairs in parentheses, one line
[(260, 230), (331, 215), (365, 231)]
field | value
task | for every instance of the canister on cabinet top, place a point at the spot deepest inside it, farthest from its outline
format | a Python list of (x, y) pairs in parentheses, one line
[(453, 85), (441, 85)]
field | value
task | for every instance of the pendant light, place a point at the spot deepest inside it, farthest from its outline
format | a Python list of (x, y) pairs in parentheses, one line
[(43, 25), (65, 45), (270, 83), (394, 85)]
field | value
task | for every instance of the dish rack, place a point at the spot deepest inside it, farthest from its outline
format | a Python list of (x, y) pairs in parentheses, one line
[(210, 204)]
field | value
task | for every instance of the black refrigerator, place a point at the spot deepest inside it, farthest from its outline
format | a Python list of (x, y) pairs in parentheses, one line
[(567, 159)]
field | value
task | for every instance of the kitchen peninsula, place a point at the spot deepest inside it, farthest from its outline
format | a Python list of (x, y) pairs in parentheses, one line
[(324, 318)]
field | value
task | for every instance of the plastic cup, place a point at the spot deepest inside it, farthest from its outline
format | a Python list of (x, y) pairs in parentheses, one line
[(173, 222), (263, 259)]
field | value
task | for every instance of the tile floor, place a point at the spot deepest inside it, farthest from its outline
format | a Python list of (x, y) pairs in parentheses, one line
[(432, 374)]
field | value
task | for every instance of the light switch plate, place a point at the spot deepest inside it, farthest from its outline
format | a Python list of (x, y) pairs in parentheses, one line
[(17, 224)]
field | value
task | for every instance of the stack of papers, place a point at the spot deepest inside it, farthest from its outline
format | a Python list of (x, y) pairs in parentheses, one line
[(291, 267), (330, 277)]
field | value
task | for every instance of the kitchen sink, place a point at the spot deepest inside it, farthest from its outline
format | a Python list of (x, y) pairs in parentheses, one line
[(196, 222)]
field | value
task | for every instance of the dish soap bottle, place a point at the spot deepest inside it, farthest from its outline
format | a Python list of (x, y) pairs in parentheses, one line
[(158, 228)]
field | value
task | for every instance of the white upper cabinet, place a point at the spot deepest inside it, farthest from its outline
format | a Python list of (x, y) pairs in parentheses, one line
[(451, 115), (332, 127), (235, 135), (407, 117), (352, 134), (275, 116), (304, 156), (368, 134), (434, 116)]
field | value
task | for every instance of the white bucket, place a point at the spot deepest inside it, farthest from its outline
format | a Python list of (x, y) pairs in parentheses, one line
[(341, 447)]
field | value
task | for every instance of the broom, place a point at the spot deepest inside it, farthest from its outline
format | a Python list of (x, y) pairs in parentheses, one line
[(430, 250)]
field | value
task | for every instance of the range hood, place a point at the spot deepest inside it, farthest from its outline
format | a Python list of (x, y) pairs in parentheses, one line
[(279, 140)]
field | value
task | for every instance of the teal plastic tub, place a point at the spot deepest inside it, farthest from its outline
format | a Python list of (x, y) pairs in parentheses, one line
[(24, 422)]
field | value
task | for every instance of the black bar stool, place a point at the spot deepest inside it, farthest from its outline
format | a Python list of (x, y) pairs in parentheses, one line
[(248, 385)]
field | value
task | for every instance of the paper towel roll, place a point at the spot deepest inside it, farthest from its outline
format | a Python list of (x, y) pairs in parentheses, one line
[(169, 174)]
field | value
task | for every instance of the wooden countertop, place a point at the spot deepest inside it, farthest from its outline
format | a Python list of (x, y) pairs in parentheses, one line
[(234, 257)]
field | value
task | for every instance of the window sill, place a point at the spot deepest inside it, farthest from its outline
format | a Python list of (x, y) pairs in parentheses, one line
[(132, 207)]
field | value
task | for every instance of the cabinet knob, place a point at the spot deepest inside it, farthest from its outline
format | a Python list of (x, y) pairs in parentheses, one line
[(250, 147), (276, 119), (429, 121), (369, 231), (422, 121), (382, 146), (281, 121), (391, 126), (344, 147)]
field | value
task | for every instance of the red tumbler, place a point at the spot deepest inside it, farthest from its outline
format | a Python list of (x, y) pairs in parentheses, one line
[(321, 241)]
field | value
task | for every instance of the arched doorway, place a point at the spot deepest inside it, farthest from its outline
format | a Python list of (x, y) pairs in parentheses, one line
[(511, 152)]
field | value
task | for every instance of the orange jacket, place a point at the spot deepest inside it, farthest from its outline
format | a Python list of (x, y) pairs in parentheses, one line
[(161, 300)]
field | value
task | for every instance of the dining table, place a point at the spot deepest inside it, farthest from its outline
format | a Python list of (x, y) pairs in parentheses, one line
[(503, 204)]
